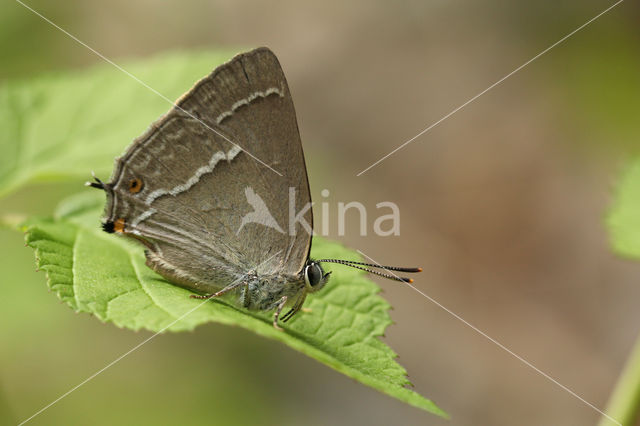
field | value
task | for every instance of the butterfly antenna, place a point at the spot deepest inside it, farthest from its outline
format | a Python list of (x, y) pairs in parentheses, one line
[(365, 267), (371, 265)]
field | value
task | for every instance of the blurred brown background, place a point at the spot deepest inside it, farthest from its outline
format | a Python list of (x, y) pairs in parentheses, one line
[(502, 205)]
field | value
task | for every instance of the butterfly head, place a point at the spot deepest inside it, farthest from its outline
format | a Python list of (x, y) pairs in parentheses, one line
[(314, 276)]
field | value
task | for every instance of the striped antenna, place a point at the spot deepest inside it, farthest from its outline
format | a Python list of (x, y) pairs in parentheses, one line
[(365, 267)]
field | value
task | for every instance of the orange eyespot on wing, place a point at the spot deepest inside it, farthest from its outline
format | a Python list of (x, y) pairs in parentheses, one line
[(135, 185)]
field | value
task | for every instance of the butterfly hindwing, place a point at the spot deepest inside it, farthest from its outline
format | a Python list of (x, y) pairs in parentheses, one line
[(184, 187)]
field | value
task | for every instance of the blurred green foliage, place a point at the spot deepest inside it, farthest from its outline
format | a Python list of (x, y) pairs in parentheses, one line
[(61, 126), (600, 79), (623, 222), (623, 219)]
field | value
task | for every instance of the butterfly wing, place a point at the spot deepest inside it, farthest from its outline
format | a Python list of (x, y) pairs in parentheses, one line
[(208, 188)]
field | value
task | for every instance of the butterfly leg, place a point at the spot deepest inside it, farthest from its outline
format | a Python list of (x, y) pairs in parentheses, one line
[(221, 292), (281, 304), (297, 307)]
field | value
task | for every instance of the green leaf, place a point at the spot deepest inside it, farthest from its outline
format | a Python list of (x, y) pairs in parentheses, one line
[(624, 217), (105, 275), (62, 126)]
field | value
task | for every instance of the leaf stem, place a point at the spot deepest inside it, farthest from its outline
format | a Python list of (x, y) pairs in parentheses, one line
[(625, 400)]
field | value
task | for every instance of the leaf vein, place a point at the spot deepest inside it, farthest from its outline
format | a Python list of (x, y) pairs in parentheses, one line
[(146, 291)]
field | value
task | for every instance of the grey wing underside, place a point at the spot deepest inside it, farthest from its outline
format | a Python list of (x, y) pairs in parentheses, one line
[(195, 178)]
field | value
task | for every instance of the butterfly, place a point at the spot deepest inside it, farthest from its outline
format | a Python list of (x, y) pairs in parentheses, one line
[(207, 187)]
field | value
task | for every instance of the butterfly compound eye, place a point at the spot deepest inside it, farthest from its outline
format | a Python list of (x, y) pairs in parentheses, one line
[(135, 185), (313, 274)]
